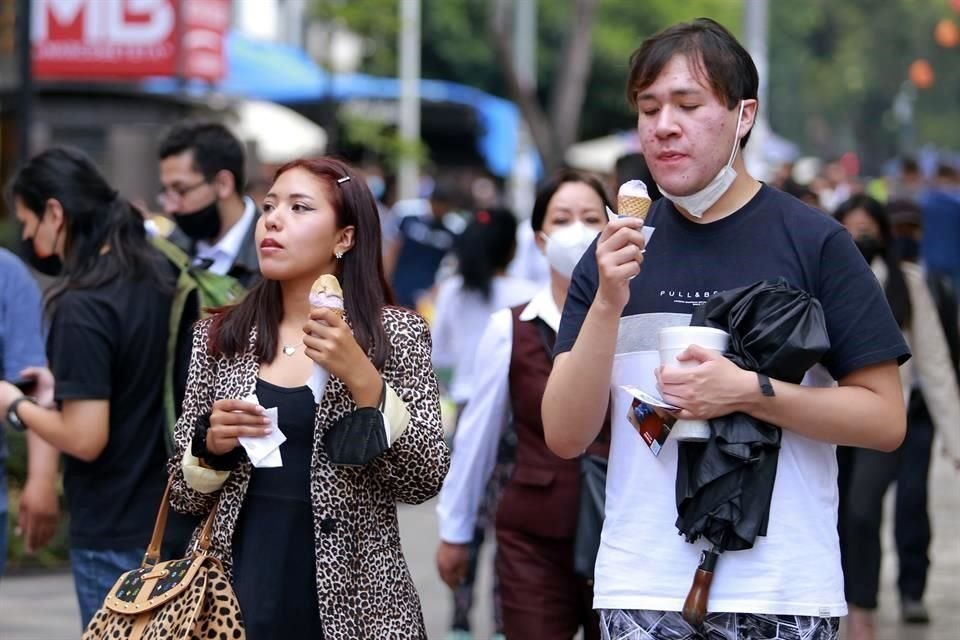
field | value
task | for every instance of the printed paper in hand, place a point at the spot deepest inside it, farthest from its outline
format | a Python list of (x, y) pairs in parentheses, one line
[(264, 451), (644, 419)]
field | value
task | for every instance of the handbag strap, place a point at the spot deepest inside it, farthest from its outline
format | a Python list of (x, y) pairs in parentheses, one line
[(152, 556)]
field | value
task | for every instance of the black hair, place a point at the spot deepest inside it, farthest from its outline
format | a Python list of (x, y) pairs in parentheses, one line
[(95, 218), (712, 51), (909, 165), (946, 172), (801, 192), (898, 296), (549, 188), (214, 149), (365, 288), (486, 247)]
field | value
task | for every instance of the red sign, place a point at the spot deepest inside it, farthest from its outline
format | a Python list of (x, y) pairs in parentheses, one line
[(101, 39)]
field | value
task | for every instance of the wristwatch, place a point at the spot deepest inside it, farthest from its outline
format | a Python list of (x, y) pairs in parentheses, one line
[(765, 387), (12, 418)]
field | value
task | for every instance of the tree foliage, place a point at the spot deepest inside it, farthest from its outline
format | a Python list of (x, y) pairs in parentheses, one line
[(834, 69)]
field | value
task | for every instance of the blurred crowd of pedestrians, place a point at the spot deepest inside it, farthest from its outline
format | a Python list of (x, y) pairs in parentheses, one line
[(505, 293)]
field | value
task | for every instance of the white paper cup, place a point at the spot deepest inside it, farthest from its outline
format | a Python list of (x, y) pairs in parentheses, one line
[(672, 341)]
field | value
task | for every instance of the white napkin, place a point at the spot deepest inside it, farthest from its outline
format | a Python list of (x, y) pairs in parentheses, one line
[(318, 382), (649, 397), (645, 230), (264, 451)]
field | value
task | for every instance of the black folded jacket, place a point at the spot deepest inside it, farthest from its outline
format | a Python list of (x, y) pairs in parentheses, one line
[(357, 438), (724, 485)]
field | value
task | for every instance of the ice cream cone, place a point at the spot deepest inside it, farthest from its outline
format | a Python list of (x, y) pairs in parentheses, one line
[(326, 293), (633, 200)]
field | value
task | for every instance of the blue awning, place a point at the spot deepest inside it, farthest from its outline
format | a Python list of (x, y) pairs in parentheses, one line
[(285, 74)]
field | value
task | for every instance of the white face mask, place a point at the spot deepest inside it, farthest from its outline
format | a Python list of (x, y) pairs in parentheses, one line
[(567, 245), (697, 204)]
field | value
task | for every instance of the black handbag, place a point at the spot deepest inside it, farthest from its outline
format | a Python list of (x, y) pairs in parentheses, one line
[(593, 491)]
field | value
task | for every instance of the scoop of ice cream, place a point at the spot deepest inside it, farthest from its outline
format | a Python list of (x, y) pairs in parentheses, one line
[(633, 188), (326, 292), (326, 300)]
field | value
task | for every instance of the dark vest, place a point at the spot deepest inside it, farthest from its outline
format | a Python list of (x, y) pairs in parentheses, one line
[(543, 494)]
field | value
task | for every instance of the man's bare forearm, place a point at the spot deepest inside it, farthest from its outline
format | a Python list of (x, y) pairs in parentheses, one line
[(576, 397), (865, 411), (43, 459)]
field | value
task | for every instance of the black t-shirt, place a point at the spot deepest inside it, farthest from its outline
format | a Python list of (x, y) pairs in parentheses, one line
[(772, 236), (110, 343)]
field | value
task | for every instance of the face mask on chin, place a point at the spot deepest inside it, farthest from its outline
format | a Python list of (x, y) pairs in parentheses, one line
[(50, 265), (202, 224), (566, 246), (697, 204)]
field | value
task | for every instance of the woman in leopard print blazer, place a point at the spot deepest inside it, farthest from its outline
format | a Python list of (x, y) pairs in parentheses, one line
[(319, 218)]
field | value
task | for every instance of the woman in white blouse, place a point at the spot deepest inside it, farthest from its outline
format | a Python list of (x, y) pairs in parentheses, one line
[(542, 596)]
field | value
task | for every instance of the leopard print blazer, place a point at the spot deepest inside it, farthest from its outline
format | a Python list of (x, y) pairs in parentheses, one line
[(363, 584)]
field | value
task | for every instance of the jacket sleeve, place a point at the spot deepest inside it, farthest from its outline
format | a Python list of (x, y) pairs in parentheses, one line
[(479, 430), (197, 402), (414, 466), (932, 363)]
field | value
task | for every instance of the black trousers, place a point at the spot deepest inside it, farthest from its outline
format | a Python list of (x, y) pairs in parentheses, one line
[(864, 477), (912, 520)]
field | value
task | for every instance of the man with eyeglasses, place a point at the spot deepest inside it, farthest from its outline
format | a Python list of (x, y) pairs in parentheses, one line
[(202, 178)]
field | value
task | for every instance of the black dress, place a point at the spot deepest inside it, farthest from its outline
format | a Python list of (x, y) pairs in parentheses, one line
[(273, 545)]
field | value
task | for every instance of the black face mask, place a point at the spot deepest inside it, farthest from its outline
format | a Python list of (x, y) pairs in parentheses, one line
[(908, 248), (869, 246), (202, 224), (52, 265)]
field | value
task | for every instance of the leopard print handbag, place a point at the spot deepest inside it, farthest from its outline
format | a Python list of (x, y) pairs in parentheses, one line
[(174, 600)]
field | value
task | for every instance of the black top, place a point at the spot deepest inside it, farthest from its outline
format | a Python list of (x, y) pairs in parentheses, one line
[(772, 236), (274, 569), (109, 343)]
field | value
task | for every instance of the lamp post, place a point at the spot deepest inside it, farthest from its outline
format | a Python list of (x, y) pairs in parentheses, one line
[(25, 59), (408, 177), (756, 27), (523, 176)]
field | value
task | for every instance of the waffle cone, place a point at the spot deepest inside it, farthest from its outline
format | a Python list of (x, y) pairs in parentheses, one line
[(633, 206), (327, 284)]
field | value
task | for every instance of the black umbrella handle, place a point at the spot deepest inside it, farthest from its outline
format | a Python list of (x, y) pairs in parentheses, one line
[(695, 606)]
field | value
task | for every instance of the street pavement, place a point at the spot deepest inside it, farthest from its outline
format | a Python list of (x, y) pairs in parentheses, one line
[(42, 607)]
